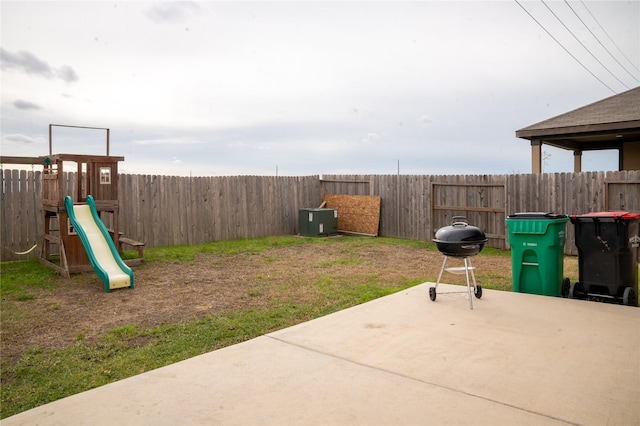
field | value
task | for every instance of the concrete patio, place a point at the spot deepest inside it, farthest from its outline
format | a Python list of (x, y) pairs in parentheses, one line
[(515, 359)]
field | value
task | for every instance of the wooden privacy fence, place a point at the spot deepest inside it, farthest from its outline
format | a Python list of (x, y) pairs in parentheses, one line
[(414, 207), (170, 210)]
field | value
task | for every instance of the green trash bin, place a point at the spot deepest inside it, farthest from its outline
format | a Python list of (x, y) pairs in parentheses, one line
[(537, 252)]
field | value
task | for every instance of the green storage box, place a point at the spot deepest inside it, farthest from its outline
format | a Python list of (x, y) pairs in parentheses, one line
[(537, 252), (318, 222)]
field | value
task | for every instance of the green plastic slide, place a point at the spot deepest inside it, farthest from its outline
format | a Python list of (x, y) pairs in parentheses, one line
[(97, 242)]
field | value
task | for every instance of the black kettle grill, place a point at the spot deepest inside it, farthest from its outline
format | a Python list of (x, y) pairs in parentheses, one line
[(459, 240)]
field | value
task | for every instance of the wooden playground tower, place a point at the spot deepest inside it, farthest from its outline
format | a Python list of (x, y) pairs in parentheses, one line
[(97, 175)]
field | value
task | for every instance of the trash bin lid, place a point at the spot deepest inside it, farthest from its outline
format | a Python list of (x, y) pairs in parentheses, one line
[(536, 215), (613, 215)]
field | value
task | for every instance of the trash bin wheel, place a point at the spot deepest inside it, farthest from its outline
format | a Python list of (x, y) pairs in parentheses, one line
[(478, 291), (576, 291), (432, 293), (566, 286), (629, 297)]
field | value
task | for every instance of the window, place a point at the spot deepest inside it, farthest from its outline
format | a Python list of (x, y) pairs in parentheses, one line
[(105, 176)]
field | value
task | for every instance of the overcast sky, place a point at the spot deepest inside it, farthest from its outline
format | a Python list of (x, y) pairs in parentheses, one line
[(310, 87)]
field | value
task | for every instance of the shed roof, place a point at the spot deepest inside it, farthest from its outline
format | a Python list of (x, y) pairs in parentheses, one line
[(601, 125)]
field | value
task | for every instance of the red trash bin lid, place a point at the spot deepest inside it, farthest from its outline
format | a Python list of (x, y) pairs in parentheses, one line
[(614, 215)]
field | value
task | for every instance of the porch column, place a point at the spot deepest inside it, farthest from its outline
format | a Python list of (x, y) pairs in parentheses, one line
[(577, 161), (536, 156)]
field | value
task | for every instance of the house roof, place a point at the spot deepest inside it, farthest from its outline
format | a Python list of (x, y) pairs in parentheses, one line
[(600, 125)]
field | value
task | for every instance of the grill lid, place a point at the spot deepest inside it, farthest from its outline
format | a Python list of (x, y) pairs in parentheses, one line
[(460, 232)]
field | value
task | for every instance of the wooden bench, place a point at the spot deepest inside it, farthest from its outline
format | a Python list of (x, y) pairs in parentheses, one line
[(135, 244)]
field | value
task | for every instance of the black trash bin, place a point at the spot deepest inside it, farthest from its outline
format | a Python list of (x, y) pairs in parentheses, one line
[(608, 245)]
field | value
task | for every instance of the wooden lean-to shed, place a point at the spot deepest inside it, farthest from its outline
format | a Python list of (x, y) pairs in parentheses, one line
[(612, 123)]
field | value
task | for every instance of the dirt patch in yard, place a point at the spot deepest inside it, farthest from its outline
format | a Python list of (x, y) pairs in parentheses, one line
[(215, 284)]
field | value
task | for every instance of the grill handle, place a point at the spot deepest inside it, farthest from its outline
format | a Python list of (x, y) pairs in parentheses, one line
[(459, 218), (459, 221)]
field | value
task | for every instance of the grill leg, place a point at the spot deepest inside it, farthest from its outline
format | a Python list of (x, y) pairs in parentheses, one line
[(473, 276), (444, 263), (467, 264)]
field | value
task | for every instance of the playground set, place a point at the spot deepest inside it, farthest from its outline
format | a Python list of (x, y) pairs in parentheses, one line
[(75, 238)]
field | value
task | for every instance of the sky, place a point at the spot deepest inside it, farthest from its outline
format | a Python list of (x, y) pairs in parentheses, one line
[(301, 88)]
